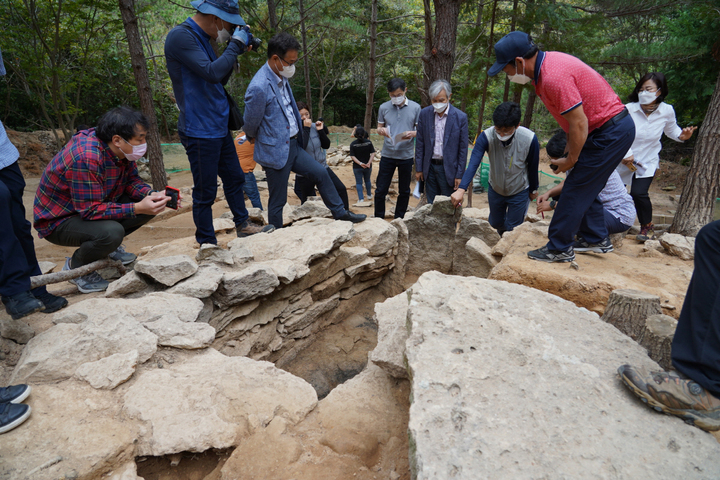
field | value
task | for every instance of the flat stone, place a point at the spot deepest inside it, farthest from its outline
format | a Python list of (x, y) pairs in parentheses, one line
[(109, 372), (374, 234), (171, 332), (478, 260), (56, 353), (250, 282), (142, 309), (678, 245), (167, 270), (309, 210), (212, 253), (491, 363), (302, 243), (256, 215), (391, 317), (16, 330), (479, 213), (223, 225), (217, 408), (202, 284), (287, 270), (47, 267), (126, 285), (464, 263)]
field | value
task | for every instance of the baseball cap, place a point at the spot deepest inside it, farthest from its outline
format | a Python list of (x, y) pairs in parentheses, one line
[(514, 44), (227, 10)]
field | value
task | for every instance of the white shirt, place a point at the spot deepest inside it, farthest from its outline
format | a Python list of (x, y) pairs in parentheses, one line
[(648, 130), (440, 133), (283, 85)]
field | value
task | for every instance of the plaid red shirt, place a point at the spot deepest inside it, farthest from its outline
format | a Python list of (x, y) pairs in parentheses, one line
[(86, 178)]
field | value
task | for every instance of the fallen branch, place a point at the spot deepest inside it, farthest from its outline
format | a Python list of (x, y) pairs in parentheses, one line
[(65, 275)]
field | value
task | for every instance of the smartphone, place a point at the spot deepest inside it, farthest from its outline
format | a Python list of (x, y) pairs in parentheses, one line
[(174, 195)]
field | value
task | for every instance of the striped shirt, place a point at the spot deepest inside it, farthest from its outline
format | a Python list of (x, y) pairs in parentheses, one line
[(8, 153), (86, 178), (617, 200)]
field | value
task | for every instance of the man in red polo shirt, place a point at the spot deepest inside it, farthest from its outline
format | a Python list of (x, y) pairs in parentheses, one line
[(599, 130)]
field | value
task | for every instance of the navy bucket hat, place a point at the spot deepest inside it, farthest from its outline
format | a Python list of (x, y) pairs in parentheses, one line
[(227, 10), (514, 44)]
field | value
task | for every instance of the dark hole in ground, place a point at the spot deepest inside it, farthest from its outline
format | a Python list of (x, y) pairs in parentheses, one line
[(192, 466)]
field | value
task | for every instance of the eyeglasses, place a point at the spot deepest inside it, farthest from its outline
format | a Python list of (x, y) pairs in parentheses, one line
[(285, 61)]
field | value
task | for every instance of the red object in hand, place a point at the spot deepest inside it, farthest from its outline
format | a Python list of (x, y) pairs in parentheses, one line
[(174, 195)]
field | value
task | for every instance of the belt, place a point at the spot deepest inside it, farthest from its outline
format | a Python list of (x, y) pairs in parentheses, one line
[(436, 161), (613, 121), (294, 137)]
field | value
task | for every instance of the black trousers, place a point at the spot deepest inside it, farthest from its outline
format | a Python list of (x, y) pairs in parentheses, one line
[(96, 238), (696, 345), (386, 170), (639, 193), (304, 188)]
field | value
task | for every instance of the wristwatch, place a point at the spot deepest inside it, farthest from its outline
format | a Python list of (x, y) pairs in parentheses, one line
[(552, 204)]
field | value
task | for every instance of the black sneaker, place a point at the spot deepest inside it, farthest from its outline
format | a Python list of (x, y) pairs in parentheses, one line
[(353, 217), (22, 305), (12, 415), (582, 245), (52, 303), (544, 254), (14, 393)]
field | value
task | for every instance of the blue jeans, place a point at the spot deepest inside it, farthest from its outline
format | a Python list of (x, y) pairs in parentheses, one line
[(299, 161), (581, 210), (363, 175), (508, 212), (17, 250), (251, 190), (210, 157), (436, 183), (384, 179)]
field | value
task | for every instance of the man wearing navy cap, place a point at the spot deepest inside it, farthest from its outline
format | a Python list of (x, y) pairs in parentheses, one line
[(198, 76), (599, 131)]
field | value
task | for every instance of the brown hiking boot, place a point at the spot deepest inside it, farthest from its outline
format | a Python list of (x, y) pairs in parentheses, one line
[(647, 232), (249, 228), (669, 393)]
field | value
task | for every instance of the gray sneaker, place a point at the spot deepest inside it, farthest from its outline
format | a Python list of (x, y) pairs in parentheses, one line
[(582, 245), (92, 282), (121, 255), (544, 254)]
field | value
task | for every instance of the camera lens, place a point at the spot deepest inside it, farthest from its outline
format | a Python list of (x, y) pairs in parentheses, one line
[(255, 43)]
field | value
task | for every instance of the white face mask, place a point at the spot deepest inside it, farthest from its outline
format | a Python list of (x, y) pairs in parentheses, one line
[(647, 98), (439, 107), (223, 36), (397, 101), (286, 71), (504, 138), (520, 78)]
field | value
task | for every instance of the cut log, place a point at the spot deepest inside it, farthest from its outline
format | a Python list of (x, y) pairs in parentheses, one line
[(657, 338), (628, 309), (65, 275)]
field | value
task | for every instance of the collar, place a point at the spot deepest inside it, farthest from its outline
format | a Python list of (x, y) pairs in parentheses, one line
[(400, 106), (278, 79), (538, 65)]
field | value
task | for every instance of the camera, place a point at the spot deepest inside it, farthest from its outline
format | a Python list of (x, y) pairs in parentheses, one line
[(254, 42)]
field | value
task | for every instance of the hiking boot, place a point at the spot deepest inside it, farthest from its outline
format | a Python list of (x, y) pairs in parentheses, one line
[(248, 228), (647, 232), (12, 415), (52, 303), (21, 305), (122, 256), (582, 245), (544, 254), (352, 217), (92, 282), (671, 394), (14, 393)]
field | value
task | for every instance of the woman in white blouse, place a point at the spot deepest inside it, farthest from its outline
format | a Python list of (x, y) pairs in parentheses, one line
[(652, 117)]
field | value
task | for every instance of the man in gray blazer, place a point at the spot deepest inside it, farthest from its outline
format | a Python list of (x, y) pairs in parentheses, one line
[(273, 124), (441, 144)]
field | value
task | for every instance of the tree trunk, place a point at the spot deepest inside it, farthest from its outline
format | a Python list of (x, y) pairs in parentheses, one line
[(272, 15), (701, 185), (529, 107), (657, 338), (306, 55), (627, 310), (481, 112), (439, 56), (370, 92), (142, 82)]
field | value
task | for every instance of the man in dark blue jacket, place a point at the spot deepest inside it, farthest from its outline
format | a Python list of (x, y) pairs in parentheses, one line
[(198, 76), (441, 144)]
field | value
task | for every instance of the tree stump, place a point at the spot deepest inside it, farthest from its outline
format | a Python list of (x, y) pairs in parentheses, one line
[(657, 338), (628, 309)]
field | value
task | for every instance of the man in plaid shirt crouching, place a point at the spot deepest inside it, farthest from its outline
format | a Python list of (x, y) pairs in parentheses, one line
[(91, 196)]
